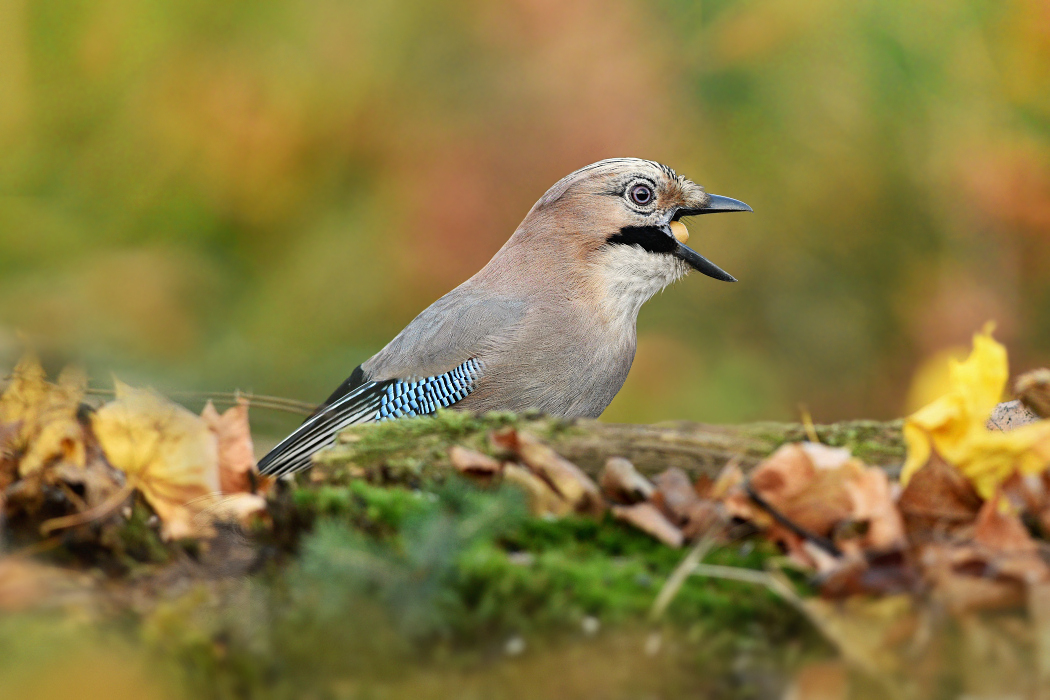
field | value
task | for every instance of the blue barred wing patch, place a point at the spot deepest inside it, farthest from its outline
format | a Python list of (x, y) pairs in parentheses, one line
[(369, 402), (423, 396)]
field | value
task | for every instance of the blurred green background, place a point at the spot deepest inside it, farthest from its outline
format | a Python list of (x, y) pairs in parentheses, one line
[(258, 195)]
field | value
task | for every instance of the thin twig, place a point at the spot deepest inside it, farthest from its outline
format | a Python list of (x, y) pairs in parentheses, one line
[(99, 512), (775, 583), (232, 397), (778, 584), (679, 575), (819, 540), (734, 573), (274, 403)]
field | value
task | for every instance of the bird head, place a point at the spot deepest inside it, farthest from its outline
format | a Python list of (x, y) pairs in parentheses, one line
[(627, 214)]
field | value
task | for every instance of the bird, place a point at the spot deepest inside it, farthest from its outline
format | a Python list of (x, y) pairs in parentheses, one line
[(548, 324)]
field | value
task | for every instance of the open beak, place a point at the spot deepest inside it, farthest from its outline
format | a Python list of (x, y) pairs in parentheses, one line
[(715, 204)]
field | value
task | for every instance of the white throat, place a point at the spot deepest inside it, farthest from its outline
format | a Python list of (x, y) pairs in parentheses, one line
[(630, 276)]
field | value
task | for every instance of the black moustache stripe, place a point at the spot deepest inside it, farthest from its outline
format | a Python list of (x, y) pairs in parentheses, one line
[(650, 238)]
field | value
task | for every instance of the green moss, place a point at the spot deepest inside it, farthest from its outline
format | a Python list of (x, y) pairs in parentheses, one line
[(501, 571), (874, 442), (135, 541), (615, 572), (412, 450), (392, 578)]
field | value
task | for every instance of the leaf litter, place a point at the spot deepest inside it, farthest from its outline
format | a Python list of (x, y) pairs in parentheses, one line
[(911, 579), (903, 569), (73, 474)]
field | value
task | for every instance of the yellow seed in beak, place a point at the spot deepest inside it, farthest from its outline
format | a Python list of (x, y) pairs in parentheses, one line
[(679, 231)]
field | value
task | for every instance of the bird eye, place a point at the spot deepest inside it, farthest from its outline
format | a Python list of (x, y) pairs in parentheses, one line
[(641, 194)]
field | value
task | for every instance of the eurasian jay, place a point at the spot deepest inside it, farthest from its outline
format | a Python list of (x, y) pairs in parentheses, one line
[(547, 324)]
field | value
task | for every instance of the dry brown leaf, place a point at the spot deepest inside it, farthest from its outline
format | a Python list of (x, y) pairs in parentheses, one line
[(43, 444), (622, 483), (166, 452), (568, 480), (824, 457), (505, 440), (1001, 530), (784, 474), (236, 452), (473, 463), (993, 570), (703, 516), (807, 552), (675, 494), (1040, 494), (937, 499), (46, 415), (819, 503), (1030, 494), (887, 573), (1026, 492), (872, 499), (97, 480), (543, 500), (730, 490), (812, 498), (704, 486), (738, 504), (962, 580), (648, 518)]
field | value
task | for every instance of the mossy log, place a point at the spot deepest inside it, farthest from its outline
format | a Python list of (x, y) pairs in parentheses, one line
[(704, 449), (419, 446)]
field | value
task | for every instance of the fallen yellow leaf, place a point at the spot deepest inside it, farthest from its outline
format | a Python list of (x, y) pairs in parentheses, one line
[(955, 425), (167, 452), (46, 414)]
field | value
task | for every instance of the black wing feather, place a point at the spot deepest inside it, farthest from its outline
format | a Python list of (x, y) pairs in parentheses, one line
[(367, 402), (356, 379), (360, 405)]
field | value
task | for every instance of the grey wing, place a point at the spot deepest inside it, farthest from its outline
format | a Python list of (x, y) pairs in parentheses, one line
[(435, 362), (464, 323)]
